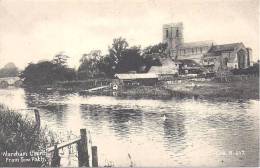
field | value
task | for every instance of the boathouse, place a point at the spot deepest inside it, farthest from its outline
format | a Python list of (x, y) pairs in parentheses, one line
[(136, 79)]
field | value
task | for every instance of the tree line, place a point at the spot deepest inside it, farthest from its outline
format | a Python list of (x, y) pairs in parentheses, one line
[(121, 58)]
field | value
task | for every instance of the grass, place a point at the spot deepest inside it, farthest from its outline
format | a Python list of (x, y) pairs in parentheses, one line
[(154, 92), (233, 89), (18, 133)]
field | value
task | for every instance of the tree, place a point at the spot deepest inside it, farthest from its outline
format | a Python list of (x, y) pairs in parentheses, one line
[(107, 66), (60, 59), (9, 70), (46, 72), (89, 65), (130, 60), (39, 74), (152, 54), (157, 48), (118, 47)]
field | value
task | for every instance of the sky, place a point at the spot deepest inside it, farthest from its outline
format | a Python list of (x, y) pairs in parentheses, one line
[(33, 30)]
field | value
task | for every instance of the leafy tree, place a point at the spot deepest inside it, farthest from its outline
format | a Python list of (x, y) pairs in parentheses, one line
[(118, 47), (89, 65), (158, 48), (9, 70), (107, 66), (130, 60), (46, 72), (60, 59), (152, 54)]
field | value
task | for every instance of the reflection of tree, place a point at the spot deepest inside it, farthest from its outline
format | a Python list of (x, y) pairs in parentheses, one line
[(41, 100), (122, 120), (174, 130)]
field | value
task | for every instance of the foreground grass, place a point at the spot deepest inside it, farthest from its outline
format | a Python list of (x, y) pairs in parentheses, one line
[(18, 134)]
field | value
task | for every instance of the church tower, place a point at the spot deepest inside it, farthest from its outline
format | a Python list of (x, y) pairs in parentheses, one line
[(173, 35)]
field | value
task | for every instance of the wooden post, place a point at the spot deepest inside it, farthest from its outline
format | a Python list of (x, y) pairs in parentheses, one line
[(83, 158), (55, 162), (94, 156), (37, 118)]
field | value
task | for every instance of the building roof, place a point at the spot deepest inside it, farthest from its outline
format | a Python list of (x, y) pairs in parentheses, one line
[(137, 76), (217, 50), (196, 44), (224, 47), (168, 67)]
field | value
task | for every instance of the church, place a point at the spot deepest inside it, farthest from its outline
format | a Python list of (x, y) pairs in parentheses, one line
[(205, 53)]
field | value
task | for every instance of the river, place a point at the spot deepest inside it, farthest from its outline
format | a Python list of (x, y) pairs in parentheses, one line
[(175, 132)]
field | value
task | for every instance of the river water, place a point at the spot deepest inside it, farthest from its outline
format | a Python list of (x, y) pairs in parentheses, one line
[(175, 132)]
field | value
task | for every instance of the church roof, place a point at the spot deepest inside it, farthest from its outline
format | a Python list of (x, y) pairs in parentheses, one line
[(218, 49), (196, 44), (225, 47)]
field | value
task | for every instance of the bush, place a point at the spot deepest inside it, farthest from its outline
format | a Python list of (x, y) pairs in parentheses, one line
[(19, 134)]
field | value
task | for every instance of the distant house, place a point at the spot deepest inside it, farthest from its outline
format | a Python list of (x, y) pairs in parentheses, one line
[(167, 70), (227, 56)]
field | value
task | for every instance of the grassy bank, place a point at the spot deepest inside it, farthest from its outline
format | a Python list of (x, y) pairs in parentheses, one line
[(235, 89), (153, 92), (18, 134)]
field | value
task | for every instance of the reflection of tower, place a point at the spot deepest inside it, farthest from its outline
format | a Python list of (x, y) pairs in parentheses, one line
[(173, 36)]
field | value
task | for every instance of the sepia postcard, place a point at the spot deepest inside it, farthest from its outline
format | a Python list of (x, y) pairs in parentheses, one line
[(129, 83)]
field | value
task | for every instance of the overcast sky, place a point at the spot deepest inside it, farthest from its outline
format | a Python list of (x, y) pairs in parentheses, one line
[(32, 30)]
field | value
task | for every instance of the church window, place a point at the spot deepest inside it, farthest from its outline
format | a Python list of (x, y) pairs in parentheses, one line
[(192, 50), (167, 33), (200, 49), (177, 32)]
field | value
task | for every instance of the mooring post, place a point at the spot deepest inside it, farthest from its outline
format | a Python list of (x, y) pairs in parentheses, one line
[(94, 156), (55, 162), (83, 158)]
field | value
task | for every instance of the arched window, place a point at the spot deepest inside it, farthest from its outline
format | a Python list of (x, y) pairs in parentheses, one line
[(177, 32)]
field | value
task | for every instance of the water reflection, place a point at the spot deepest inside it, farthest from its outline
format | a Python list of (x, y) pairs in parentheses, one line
[(174, 131), (177, 132)]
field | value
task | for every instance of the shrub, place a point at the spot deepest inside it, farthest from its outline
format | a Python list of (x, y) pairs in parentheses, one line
[(19, 134)]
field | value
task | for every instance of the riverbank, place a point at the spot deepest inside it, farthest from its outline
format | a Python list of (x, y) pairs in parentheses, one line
[(236, 87), (247, 88), (18, 139), (153, 92)]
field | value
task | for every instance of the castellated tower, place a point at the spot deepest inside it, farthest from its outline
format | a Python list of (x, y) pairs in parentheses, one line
[(173, 35)]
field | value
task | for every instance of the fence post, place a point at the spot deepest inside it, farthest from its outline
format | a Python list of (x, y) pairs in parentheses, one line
[(37, 118), (55, 161), (94, 156), (83, 158)]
